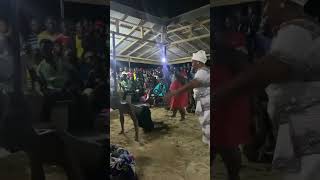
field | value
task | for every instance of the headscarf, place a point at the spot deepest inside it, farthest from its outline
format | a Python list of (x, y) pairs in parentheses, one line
[(300, 2), (200, 56)]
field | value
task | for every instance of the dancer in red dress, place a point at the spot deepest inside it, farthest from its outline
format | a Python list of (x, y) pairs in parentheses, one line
[(232, 120), (180, 102)]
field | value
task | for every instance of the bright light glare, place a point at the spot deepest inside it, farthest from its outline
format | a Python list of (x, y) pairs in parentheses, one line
[(163, 59)]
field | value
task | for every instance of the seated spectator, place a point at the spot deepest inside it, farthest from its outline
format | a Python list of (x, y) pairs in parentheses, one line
[(57, 51), (71, 72), (96, 86), (47, 69), (84, 66), (161, 89)]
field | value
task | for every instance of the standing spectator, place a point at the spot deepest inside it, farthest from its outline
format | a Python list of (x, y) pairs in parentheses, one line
[(6, 59), (96, 41), (32, 38), (253, 26), (130, 73), (234, 38), (100, 38), (32, 54), (134, 74), (4, 28), (50, 32), (78, 40), (124, 85), (125, 71), (85, 26), (65, 38), (144, 74)]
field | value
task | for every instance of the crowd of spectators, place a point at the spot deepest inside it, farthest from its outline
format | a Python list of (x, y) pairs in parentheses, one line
[(59, 58), (140, 83), (246, 30)]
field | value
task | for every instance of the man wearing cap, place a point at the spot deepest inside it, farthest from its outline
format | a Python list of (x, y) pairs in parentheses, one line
[(201, 88)]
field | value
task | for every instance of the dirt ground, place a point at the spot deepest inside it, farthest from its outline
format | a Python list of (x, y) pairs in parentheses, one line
[(249, 171), (16, 167), (174, 154)]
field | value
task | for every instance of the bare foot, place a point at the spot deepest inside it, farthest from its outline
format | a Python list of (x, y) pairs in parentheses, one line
[(122, 132)]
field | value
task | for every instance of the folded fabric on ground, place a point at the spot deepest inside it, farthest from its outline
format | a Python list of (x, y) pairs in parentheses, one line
[(122, 163)]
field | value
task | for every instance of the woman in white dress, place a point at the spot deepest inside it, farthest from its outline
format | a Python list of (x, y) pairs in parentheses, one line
[(291, 73), (201, 88)]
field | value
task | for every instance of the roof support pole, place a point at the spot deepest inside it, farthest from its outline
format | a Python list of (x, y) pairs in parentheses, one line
[(114, 62), (129, 62), (142, 33), (62, 9), (17, 76)]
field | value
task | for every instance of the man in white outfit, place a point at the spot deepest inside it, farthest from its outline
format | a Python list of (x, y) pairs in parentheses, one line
[(201, 87), (290, 71)]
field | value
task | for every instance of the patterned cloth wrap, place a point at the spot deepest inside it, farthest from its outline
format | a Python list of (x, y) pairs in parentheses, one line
[(122, 163)]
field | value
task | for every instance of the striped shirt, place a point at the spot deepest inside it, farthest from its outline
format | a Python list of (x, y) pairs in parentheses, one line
[(32, 41)]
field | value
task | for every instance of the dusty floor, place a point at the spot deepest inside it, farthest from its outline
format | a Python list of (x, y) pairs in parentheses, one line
[(249, 171), (16, 167), (174, 154)]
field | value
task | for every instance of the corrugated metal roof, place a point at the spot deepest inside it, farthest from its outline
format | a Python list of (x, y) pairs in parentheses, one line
[(133, 20), (216, 3), (96, 2), (146, 51)]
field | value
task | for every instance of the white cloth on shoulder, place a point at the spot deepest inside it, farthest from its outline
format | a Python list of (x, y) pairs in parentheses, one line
[(294, 105), (202, 97)]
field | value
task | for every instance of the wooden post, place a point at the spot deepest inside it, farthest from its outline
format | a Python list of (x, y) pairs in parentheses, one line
[(129, 62), (62, 9), (15, 46), (114, 61)]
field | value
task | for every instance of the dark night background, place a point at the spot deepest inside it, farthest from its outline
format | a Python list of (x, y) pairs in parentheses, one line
[(164, 8), (41, 9)]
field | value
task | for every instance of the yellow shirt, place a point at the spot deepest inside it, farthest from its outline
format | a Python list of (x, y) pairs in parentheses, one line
[(46, 35), (79, 47), (134, 76)]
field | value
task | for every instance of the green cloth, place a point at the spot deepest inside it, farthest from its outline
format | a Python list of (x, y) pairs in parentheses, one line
[(124, 85), (55, 78)]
